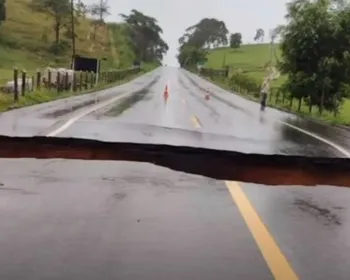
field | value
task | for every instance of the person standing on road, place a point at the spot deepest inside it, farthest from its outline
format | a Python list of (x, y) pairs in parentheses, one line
[(265, 88)]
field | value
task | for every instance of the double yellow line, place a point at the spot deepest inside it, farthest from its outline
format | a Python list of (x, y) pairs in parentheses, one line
[(276, 261)]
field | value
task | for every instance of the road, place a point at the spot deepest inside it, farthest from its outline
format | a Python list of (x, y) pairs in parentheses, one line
[(65, 219)]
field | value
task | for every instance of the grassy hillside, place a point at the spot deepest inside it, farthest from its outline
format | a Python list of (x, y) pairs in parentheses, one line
[(251, 59), (26, 36)]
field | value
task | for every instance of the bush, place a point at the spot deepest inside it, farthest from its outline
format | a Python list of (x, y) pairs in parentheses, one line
[(59, 48), (245, 82)]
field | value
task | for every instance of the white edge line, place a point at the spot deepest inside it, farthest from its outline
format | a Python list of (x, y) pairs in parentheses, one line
[(89, 110), (332, 144), (108, 102)]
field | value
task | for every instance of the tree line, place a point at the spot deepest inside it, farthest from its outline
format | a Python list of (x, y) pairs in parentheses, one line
[(315, 52), (207, 34), (143, 32), (315, 47)]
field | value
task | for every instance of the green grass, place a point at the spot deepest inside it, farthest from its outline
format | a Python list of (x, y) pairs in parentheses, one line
[(44, 95), (26, 36), (252, 61), (25, 39)]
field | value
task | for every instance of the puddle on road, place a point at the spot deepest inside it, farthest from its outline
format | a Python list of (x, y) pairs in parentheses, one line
[(201, 100), (70, 109), (129, 101), (328, 217), (126, 103), (216, 96)]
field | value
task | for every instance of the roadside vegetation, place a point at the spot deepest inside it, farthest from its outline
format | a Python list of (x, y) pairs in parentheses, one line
[(309, 69), (35, 34)]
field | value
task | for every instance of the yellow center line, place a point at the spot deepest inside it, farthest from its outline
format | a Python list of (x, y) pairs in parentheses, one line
[(276, 261), (196, 122)]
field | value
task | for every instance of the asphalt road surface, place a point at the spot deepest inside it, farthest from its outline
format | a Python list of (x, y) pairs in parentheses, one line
[(69, 219)]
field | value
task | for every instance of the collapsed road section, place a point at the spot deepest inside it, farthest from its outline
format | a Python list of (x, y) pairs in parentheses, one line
[(223, 165)]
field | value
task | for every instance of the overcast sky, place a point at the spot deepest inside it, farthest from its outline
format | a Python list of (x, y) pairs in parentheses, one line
[(175, 16)]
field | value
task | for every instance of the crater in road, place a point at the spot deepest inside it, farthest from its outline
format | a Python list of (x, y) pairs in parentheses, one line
[(328, 216), (213, 112), (125, 103), (88, 102), (230, 104)]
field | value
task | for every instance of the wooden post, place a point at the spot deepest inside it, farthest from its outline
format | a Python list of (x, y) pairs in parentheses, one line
[(33, 82), (86, 80), (299, 104), (92, 79), (81, 81), (49, 82), (24, 81), (15, 85), (58, 78), (66, 78), (74, 87), (38, 79)]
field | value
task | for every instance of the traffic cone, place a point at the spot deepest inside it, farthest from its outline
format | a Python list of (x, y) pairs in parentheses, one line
[(166, 93)]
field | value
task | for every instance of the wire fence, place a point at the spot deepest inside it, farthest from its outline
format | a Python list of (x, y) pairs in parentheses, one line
[(248, 86), (66, 80)]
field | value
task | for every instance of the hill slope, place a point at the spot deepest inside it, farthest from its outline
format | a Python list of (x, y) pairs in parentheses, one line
[(26, 36), (251, 59)]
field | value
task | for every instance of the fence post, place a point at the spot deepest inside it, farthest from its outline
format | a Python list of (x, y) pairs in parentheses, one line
[(58, 78), (33, 82), (81, 81), (276, 99), (49, 80), (24, 81), (310, 107), (74, 87), (299, 104), (86, 80), (103, 77), (38, 79), (66, 77), (92, 80), (15, 80)]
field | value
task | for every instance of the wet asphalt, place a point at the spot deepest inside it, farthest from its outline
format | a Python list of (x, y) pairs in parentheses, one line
[(69, 219)]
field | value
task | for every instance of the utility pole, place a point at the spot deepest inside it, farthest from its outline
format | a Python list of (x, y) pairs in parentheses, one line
[(224, 60), (73, 32)]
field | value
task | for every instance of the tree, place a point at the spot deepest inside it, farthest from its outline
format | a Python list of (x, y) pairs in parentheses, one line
[(315, 54), (259, 35), (81, 9), (99, 10), (209, 32), (235, 40), (145, 36), (2, 11), (191, 56), (59, 10)]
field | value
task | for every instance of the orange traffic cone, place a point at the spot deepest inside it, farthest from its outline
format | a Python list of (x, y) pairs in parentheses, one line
[(166, 93)]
